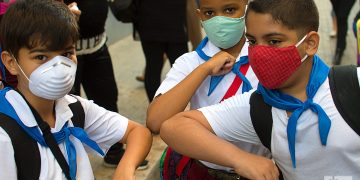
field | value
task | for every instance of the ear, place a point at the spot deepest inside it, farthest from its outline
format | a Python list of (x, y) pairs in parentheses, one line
[(9, 62), (198, 13), (312, 43)]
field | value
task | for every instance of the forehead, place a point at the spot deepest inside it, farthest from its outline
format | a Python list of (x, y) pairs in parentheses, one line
[(258, 25), (220, 3)]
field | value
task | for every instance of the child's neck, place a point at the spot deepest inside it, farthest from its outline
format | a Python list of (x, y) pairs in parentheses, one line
[(44, 107), (235, 50), (299, 81)]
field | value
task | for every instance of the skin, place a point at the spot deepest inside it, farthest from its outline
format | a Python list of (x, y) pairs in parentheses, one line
[(165, 105), (137, 138), (189, 133)]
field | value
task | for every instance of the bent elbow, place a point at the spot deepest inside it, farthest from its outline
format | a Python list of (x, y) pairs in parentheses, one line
[(153, 125)]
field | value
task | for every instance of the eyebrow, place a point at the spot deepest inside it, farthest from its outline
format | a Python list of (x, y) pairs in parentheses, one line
[(44, 50), (266, 35), (39, 50), (226, 5)]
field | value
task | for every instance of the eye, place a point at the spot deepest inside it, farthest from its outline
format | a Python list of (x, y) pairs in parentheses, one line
[(274, 42), (230, 10), (68, 54), (41, 57), (209, 13), (251, 42)]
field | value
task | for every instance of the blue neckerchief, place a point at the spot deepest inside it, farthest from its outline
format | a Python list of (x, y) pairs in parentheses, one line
[(286, 102), (61, 136), (215, 80)]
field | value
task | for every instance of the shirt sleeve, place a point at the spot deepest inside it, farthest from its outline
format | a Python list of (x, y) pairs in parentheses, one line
[(231, 119), (182, 67), (7, 159), (102, 126)]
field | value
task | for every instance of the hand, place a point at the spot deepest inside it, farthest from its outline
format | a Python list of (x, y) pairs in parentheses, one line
[(257, 168), (220, 64), (75, 10)]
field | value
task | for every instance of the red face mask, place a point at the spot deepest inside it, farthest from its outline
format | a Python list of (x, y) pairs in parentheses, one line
[(273, 66)]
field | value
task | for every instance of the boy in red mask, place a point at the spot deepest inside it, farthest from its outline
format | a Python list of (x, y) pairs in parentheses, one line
[(295, 112)]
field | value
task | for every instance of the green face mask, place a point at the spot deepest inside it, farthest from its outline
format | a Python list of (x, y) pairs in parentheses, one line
[(224, 32)]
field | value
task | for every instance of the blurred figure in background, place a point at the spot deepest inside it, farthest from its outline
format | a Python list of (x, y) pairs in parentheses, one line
[(342, 10), (95, 70), (162, 29)]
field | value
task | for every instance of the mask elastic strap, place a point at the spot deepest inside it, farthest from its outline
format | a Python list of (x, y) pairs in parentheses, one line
[(17, 63), (297, 44), (303, 59), (301, 41)]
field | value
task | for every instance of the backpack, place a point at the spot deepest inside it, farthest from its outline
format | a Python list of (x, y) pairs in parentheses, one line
[(124, 10), (345, 90), (26, 150)]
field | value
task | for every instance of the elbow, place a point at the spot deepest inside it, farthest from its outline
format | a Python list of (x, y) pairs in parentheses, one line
[(152, 124), (153, 121)]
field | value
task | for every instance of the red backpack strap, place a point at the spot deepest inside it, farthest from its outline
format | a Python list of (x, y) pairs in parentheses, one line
[(235, 85), (166, 162), (182, 164)]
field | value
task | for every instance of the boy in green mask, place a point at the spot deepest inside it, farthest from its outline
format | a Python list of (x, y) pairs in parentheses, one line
[(298, 111), (217, 70)]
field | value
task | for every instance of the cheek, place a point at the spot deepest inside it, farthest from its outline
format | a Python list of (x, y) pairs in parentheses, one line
[(73, 58)]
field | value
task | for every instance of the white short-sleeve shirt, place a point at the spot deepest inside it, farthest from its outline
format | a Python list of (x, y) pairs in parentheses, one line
[(185, 64), (340, 157), (102, 126)]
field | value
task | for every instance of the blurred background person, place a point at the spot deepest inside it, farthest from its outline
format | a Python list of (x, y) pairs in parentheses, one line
[(342, 10), (163, 30)]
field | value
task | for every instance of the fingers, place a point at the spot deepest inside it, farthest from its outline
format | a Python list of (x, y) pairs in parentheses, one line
[(221, 63), (74, 9)]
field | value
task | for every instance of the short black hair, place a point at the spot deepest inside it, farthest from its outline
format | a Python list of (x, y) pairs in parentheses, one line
[(299, 15), (32, 23)]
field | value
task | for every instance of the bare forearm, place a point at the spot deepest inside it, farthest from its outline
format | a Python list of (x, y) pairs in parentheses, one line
[(175, 100), (138, 144), (191, 138)]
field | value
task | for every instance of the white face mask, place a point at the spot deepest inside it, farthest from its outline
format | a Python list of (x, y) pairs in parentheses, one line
[(53, 79)]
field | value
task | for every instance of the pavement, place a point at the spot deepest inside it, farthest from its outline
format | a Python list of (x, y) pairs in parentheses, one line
[(128, 61)]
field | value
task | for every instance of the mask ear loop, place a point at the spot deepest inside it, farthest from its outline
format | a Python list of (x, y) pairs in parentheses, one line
[(17, 63), (297, 44), (301, 41)]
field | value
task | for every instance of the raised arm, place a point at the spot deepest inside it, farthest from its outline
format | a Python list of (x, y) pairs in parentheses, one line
[(176, 99), (138, 141), (189, 133)]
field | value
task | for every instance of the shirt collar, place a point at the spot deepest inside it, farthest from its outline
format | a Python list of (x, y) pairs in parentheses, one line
[(62, 110), (210, 49)]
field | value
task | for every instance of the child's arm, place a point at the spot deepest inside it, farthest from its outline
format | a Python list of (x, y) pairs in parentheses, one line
[(176, 99), (138, 141), (190, 133)]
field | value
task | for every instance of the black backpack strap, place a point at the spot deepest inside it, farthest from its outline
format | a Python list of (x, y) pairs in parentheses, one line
[(345, 91), (261, 118), (26, 151), (78, 118)]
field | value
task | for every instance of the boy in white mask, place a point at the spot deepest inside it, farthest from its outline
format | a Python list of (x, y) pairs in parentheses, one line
[(305, 113), (217, 70), (40, 50)]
